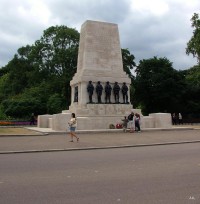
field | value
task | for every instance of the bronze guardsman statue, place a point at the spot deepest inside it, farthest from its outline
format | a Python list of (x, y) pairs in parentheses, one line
[(125, 92), (116, 89), (76, 94), (90, 89), (108, 90), (99, 89)]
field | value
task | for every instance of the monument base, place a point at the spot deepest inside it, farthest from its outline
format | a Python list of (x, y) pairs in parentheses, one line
[(100, 117)]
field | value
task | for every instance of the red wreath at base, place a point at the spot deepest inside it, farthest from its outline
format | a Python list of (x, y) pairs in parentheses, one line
[(119, 126)]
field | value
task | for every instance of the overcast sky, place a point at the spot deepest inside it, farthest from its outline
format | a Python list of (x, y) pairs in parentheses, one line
[(147, 28)]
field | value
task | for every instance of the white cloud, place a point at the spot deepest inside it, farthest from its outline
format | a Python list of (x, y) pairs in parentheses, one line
[(147, 28), (155, 7), (34, 11)]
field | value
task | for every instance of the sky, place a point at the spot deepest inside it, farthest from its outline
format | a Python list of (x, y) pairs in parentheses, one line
[(147, 28)]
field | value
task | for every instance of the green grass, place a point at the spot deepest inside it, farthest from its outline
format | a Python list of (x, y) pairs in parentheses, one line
[(17, 131)]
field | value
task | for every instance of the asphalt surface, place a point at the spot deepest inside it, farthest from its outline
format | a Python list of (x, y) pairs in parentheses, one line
[(96, 140), (146, 175)]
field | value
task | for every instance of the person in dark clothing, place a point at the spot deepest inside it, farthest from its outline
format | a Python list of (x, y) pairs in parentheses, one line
[(99, 89), (174, 119), (131, 122), (32, 119), (108, 90)]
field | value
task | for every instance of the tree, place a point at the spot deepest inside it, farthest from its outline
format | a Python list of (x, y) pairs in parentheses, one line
[(54, 104), (158, 86), (192, 92), (193, 46), (49, 64), (128, 62), (193, 77), (3, 86), (55, 55), (19, 75), (32, 100)]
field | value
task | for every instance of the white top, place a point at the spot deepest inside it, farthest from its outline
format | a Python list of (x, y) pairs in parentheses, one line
[(72, 122)]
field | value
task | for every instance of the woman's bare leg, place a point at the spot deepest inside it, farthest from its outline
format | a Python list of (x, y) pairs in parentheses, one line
[(74, 135), (71, 135)]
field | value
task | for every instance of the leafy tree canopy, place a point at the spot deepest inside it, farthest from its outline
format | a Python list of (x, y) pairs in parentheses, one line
[(192, 93), (157, 86), (193, 76), (128, 62), (193, 46)]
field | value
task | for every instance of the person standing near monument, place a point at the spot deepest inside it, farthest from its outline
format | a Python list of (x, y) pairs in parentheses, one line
[(72, 127), (125, 123), (180, 118), (116, 89), (32, 119), (174, 121), (90, 89), (137, 122), (99, 89), (131, 122), (108, 90), (124, 92)]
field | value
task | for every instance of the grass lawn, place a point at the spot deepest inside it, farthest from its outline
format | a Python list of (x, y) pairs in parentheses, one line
[(17, 131)]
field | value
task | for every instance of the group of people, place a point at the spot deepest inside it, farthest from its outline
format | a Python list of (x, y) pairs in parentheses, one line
[(132, 122), (108, 89), (177, 119)]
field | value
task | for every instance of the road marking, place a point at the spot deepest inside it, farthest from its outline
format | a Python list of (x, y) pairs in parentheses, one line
[(191, 198), (96, 171), (68, 176)]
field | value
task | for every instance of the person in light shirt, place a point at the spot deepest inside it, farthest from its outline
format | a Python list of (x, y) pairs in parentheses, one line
[(72, 127)]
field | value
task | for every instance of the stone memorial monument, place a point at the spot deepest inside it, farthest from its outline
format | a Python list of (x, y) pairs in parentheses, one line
[(96, 105), (99, 59)]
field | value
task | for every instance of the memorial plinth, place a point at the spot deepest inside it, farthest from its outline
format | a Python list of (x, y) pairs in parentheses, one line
[(99, 59)]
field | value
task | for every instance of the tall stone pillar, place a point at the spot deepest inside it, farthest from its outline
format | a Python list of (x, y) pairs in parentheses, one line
[(99, 59)]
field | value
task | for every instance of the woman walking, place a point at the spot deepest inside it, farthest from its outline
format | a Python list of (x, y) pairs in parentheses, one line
[(72, 126)]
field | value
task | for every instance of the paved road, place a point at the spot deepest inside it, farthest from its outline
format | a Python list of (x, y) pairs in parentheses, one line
[(147, 175)]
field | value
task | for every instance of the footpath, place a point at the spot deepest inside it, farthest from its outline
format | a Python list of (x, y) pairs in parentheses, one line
[(45, 140)]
